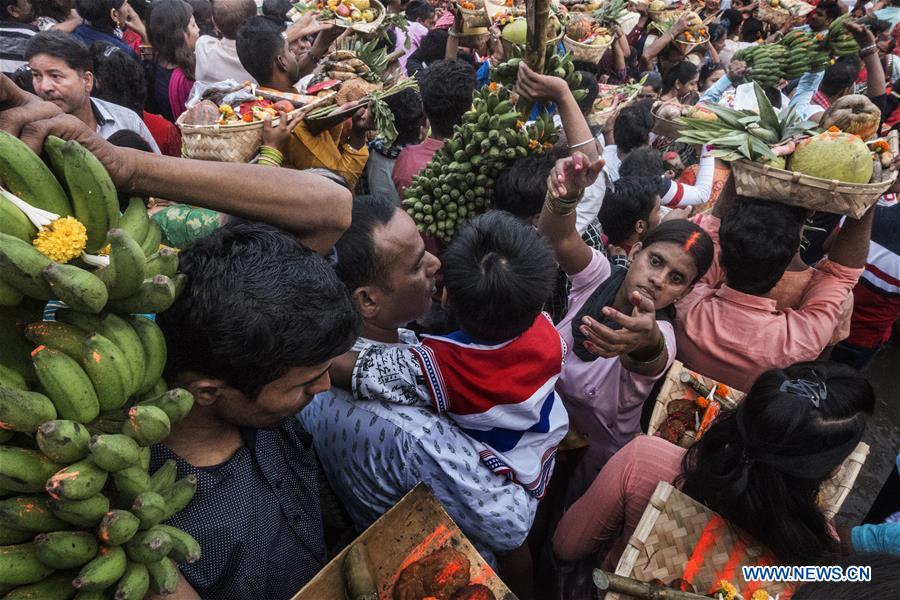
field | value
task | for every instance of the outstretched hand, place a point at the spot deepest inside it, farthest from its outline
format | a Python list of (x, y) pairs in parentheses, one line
[(573, 174), (639, 330)]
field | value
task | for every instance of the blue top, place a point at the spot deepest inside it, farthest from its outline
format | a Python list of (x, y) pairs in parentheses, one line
[(257, 517), (89, 34)]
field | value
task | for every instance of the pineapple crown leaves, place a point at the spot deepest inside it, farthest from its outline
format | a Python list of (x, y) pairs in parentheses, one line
[(610, 13)]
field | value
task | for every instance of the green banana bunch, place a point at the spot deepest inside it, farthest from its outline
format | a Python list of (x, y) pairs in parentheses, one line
[(458, 183), (81, 397), (766, 63), (798, 45), (840, 41), (557, 65)]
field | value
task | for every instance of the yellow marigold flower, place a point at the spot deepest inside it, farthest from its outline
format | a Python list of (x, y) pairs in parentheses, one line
[(104, 251), (760, 595), (726, 590), (493, 86), (62, 240), (533, 144)]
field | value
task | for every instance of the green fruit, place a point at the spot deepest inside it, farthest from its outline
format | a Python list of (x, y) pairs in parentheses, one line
[(14, 222), (123, 335), (153, 239), (163, 262), (24, 411), (24, 470), (59, 336), (163, 576), (147, 425), (127, 266), (63, 442), (148, 546), (154, 344), (134, 584), (113, 452), (185, 548), (24, 174), (180, 495), (78, 288), (108, 370), (54, 587), (117, 527), (19, 565), (149, 508), (130, 483), (164, 478), (22, 266), (65, 549), (155, 296), (29, 513), (67, 385), (10, 536), (78, 481), (87, 323), (815, 157), (135, 221), (9, 296), (102, 571), (515, 32), (81, 513)]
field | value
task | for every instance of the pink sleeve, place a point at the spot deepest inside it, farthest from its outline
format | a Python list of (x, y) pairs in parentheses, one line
[(179, 91), (711, 224)]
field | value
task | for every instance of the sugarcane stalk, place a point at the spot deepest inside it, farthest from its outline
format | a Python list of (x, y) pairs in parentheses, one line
[(537, 15), (639, 589)]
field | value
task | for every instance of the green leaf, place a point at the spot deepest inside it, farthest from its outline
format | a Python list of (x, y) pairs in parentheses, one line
[(761, 148)]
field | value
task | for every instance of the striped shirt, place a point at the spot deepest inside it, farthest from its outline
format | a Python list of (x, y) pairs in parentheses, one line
[(14, 37)]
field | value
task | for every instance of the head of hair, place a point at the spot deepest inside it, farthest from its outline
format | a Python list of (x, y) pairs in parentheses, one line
[(166, 26), (885, 579), (761, 465), (686, 234), (632, 200), (879, 27), (831, 10), (498, 273), (839, 77), (589, 83), (521, 188), (97, 13), (229, 15), (446, 87), (751, 30), (758, 239), (259, 43), (277, 9), (358, 263), (716, 32), (682, 73), (432, 47), (707, 70), (418, 10), (118, 77), (23, 78), (203, 16), (47, 8), (732, 19), (126, 138), (632, 127), (257, 304), (409, 115), (642, 161), (653, 80), (60, 45)]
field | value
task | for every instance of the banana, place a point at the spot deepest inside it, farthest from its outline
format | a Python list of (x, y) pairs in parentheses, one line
[(149, 508), (9, 296), (19, 565), (165, 262), (147, 425), (159, 388), (24, 470), (127, 265), (65, 549), (117, 527), (108, 371), (151, 242), (10, 536), (155, 353), (81, 513), (114, 452), (11, 379), (54, 587), (163, 576), (83, 321), (79, 289), (24, 174), (90, 189), (102, 571), (66, 384), (179, 281), (89, 595), (59, 336), (123, 335), (29, 513), (145, 456), (130, 483), (180, 495), (22, 266), (24, 411), (14, 222), (135, 221), (63, 442), (185, 549), (134, 584), (148, 546), (78, 481), (164, 478)]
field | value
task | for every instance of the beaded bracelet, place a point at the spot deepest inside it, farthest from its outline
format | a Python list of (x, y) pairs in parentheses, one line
[(562, 206), (270, 156)]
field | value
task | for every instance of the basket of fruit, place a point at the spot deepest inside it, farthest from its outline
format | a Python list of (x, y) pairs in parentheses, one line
[(659, 12), (779, 12), (364, 16), (473, 14), (586, 39), (667, 115)]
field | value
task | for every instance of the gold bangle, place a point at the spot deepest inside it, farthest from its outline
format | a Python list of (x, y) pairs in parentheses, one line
[(562, 206)]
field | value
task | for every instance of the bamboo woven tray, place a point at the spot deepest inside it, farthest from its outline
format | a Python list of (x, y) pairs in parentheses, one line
[(666, 128), (589, 53), (677, 537), (415, 527)]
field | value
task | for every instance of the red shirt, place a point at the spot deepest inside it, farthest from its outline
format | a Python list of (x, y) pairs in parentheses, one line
[(413, 159), (167, 136)]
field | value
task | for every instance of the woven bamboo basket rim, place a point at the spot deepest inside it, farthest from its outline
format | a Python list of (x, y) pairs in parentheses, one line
[(773, 15), (215, 128), (585, 52), (362, 26), (658, 16), (688, 47), (666, 128), (477, 17)]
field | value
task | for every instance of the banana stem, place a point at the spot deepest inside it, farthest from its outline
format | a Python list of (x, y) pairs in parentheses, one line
[(537, 15)]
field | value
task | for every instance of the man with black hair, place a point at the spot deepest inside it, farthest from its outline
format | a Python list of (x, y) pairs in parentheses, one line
[(734, 331), (252, 338), (822, 15), (628, 129), (264, 51), (15, 31), (409, 117), (446, 87), (420, 17), (62, 73), (631, 209), (378, 453), (216, 58)]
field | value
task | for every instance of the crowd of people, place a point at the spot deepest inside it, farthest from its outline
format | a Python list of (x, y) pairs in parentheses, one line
[(338, 357)]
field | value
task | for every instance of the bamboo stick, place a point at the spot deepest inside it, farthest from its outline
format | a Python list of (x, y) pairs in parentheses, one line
[(639, 589), (537, 15)]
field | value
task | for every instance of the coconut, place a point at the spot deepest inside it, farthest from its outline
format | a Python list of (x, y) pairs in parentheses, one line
[(515, 32), (833, 155), (854, 114)]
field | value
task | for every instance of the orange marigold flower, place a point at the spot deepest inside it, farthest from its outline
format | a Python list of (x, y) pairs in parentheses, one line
[(701, 401), (493, 86), (722, 390), (834, 129), (533, 144), (881, 146)]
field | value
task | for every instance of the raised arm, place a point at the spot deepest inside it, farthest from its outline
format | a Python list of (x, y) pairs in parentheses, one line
[(656, 48), (875, 84), (851, 245)]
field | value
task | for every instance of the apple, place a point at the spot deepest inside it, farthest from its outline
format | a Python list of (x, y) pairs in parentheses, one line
[(342, 11), (284, 105)]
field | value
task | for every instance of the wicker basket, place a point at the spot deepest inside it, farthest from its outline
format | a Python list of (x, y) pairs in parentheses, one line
[(362, 26), (477, 17), (475, 38), (688, 47), (589, 53), (766, 182), (676, 531), (834, 491), (666, 128), (223, 143), (774, 16)]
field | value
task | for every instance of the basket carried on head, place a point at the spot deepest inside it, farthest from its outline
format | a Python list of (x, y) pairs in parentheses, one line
[(589, 53), (474, 17), (772, 15), (796, 189), (688, 47), (237, 142), (666, 128)]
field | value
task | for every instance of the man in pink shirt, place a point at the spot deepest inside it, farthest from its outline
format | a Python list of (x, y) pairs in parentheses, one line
[(734, 331), (421, 18), (446, 87)]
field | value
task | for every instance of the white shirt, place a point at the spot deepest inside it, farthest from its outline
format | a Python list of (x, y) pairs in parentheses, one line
[(375, 452), (217, 60), (112, 118)]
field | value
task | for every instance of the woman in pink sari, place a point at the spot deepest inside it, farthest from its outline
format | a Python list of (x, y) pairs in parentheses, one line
[(173, 35)]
